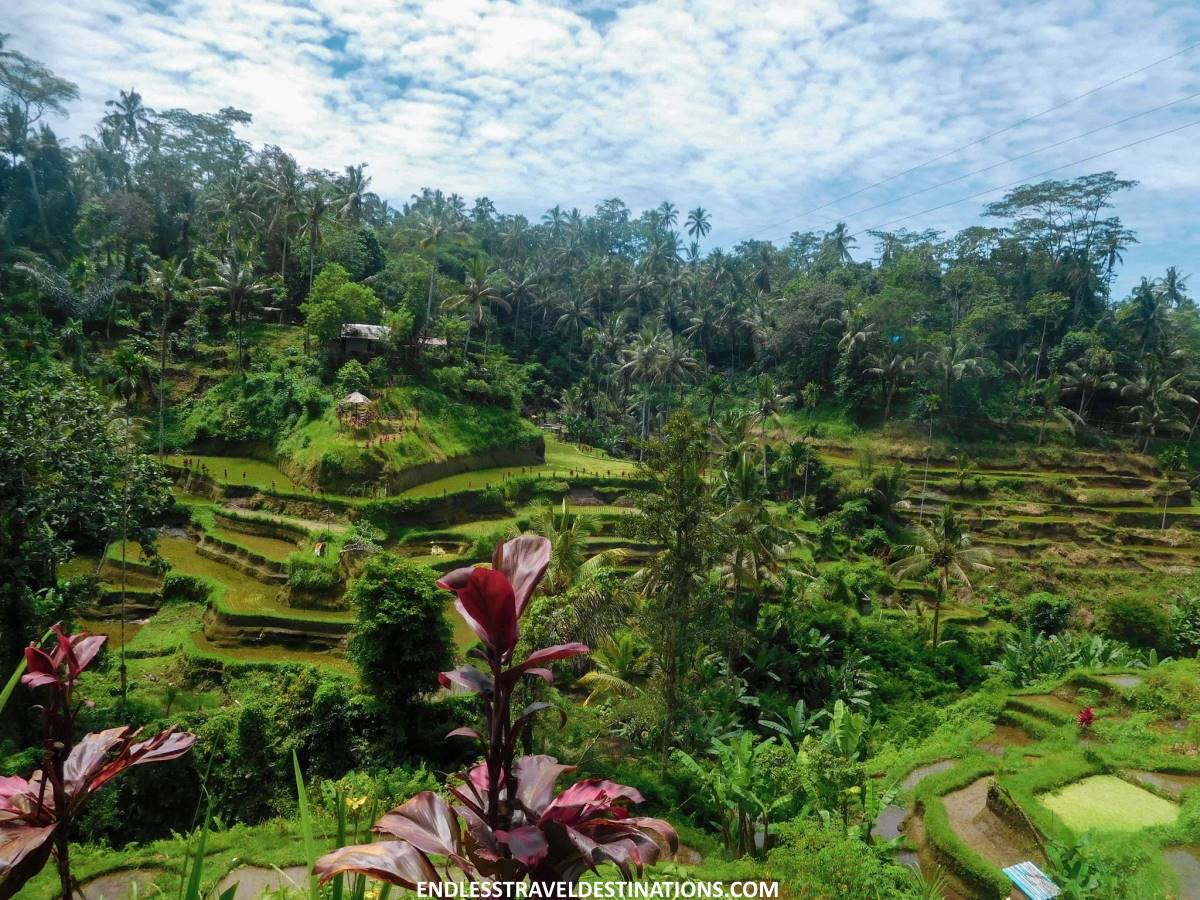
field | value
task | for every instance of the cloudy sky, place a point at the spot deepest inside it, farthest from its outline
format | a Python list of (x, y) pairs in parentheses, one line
[(760, 111)]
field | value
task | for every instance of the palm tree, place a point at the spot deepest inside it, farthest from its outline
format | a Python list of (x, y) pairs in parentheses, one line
[(315, 208), (1052, 388), (233, 199), (836, 246), (72, 337), (165, 283), (286, 191), (1148, 316), (1157, 409), (236, 282), (483, 288), (890, 368), (568, 533), (945, 549), (130, 377), (574, 318), (768, 404), (950, 363), (436, 231), (620, 661), (887, 492), (1173, 287), (354, 191), (1088, 376), (128, 117), (699, 224), (712, 390), (643, 364)]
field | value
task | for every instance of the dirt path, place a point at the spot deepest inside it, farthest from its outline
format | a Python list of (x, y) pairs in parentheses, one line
[(985, 832), (119, 885), (253, 881)]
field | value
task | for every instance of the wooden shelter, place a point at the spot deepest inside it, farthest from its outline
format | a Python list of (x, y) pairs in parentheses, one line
[(357, 410)]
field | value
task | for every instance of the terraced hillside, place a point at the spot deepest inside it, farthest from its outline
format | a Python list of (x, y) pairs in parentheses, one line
[(247, 529), (1078, 524), (1082, 525), (1026, 775)]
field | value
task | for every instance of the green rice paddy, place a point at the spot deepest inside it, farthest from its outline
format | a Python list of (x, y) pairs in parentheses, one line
[(1106, 803)]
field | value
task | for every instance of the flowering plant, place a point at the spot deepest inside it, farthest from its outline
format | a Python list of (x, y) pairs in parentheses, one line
[(36, 813), (1085, 717), (507, 822)]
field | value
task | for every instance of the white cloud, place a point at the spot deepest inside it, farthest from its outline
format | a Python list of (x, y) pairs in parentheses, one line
[(757, 109)]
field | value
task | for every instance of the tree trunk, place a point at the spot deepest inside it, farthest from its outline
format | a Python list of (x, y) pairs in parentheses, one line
[(162, 377), (37, 200), (1037, 367)]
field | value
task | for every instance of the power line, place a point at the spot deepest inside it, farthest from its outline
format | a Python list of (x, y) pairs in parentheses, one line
[(978, 141), (1027, 178), (1010, 159)]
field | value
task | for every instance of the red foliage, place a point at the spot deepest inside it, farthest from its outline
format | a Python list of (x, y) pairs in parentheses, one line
[(509, 823), (1085, 717), (36, 813)]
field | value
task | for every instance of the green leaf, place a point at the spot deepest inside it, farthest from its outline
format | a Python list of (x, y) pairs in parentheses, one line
[(306, 829)]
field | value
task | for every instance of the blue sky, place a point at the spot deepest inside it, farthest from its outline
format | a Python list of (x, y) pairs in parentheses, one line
[(759, 111)]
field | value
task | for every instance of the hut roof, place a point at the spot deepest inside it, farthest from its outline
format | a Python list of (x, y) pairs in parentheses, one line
[(366, 332), (355, 399)]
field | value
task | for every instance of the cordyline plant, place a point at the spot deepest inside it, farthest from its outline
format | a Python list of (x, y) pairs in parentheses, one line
[(36, 814), (507, 823)]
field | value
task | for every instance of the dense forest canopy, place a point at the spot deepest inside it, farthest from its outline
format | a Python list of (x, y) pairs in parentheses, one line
[(787, 527)]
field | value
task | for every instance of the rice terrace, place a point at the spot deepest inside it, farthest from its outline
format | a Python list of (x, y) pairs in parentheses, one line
[(837, 531)]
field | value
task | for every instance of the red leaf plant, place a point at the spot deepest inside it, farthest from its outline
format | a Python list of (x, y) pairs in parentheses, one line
[(507, 822), (36, 814), (1085, 717)]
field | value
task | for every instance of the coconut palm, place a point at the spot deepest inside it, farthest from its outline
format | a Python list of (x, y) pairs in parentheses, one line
[(568, 533), (165, 283), (950, 363), (315, 209), (1157, 409), (768, 404), (234, 279), (483, 289), (891, 369), (836, 246), (642, 364), (945, 549), (128, 117), (285, 190), (1088, 376), (353, 188), (620, 660), (699, 224), (436, 231), (1050, 396)]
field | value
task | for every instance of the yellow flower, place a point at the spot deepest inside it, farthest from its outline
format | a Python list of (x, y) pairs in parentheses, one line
[(354, 804)]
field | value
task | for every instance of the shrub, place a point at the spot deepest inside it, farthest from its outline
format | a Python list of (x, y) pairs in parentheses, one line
[(813, 860), (351, 377), (311, 573), (1138, 621), (401, 638), (1185, 624), (177, 586), (1045, 613)]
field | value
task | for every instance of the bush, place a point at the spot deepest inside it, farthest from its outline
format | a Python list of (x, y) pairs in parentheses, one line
[(312, 573), (817, 861), (351, 377), (1139, 622), (401, 638), (177, 586), (1045, 613)]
